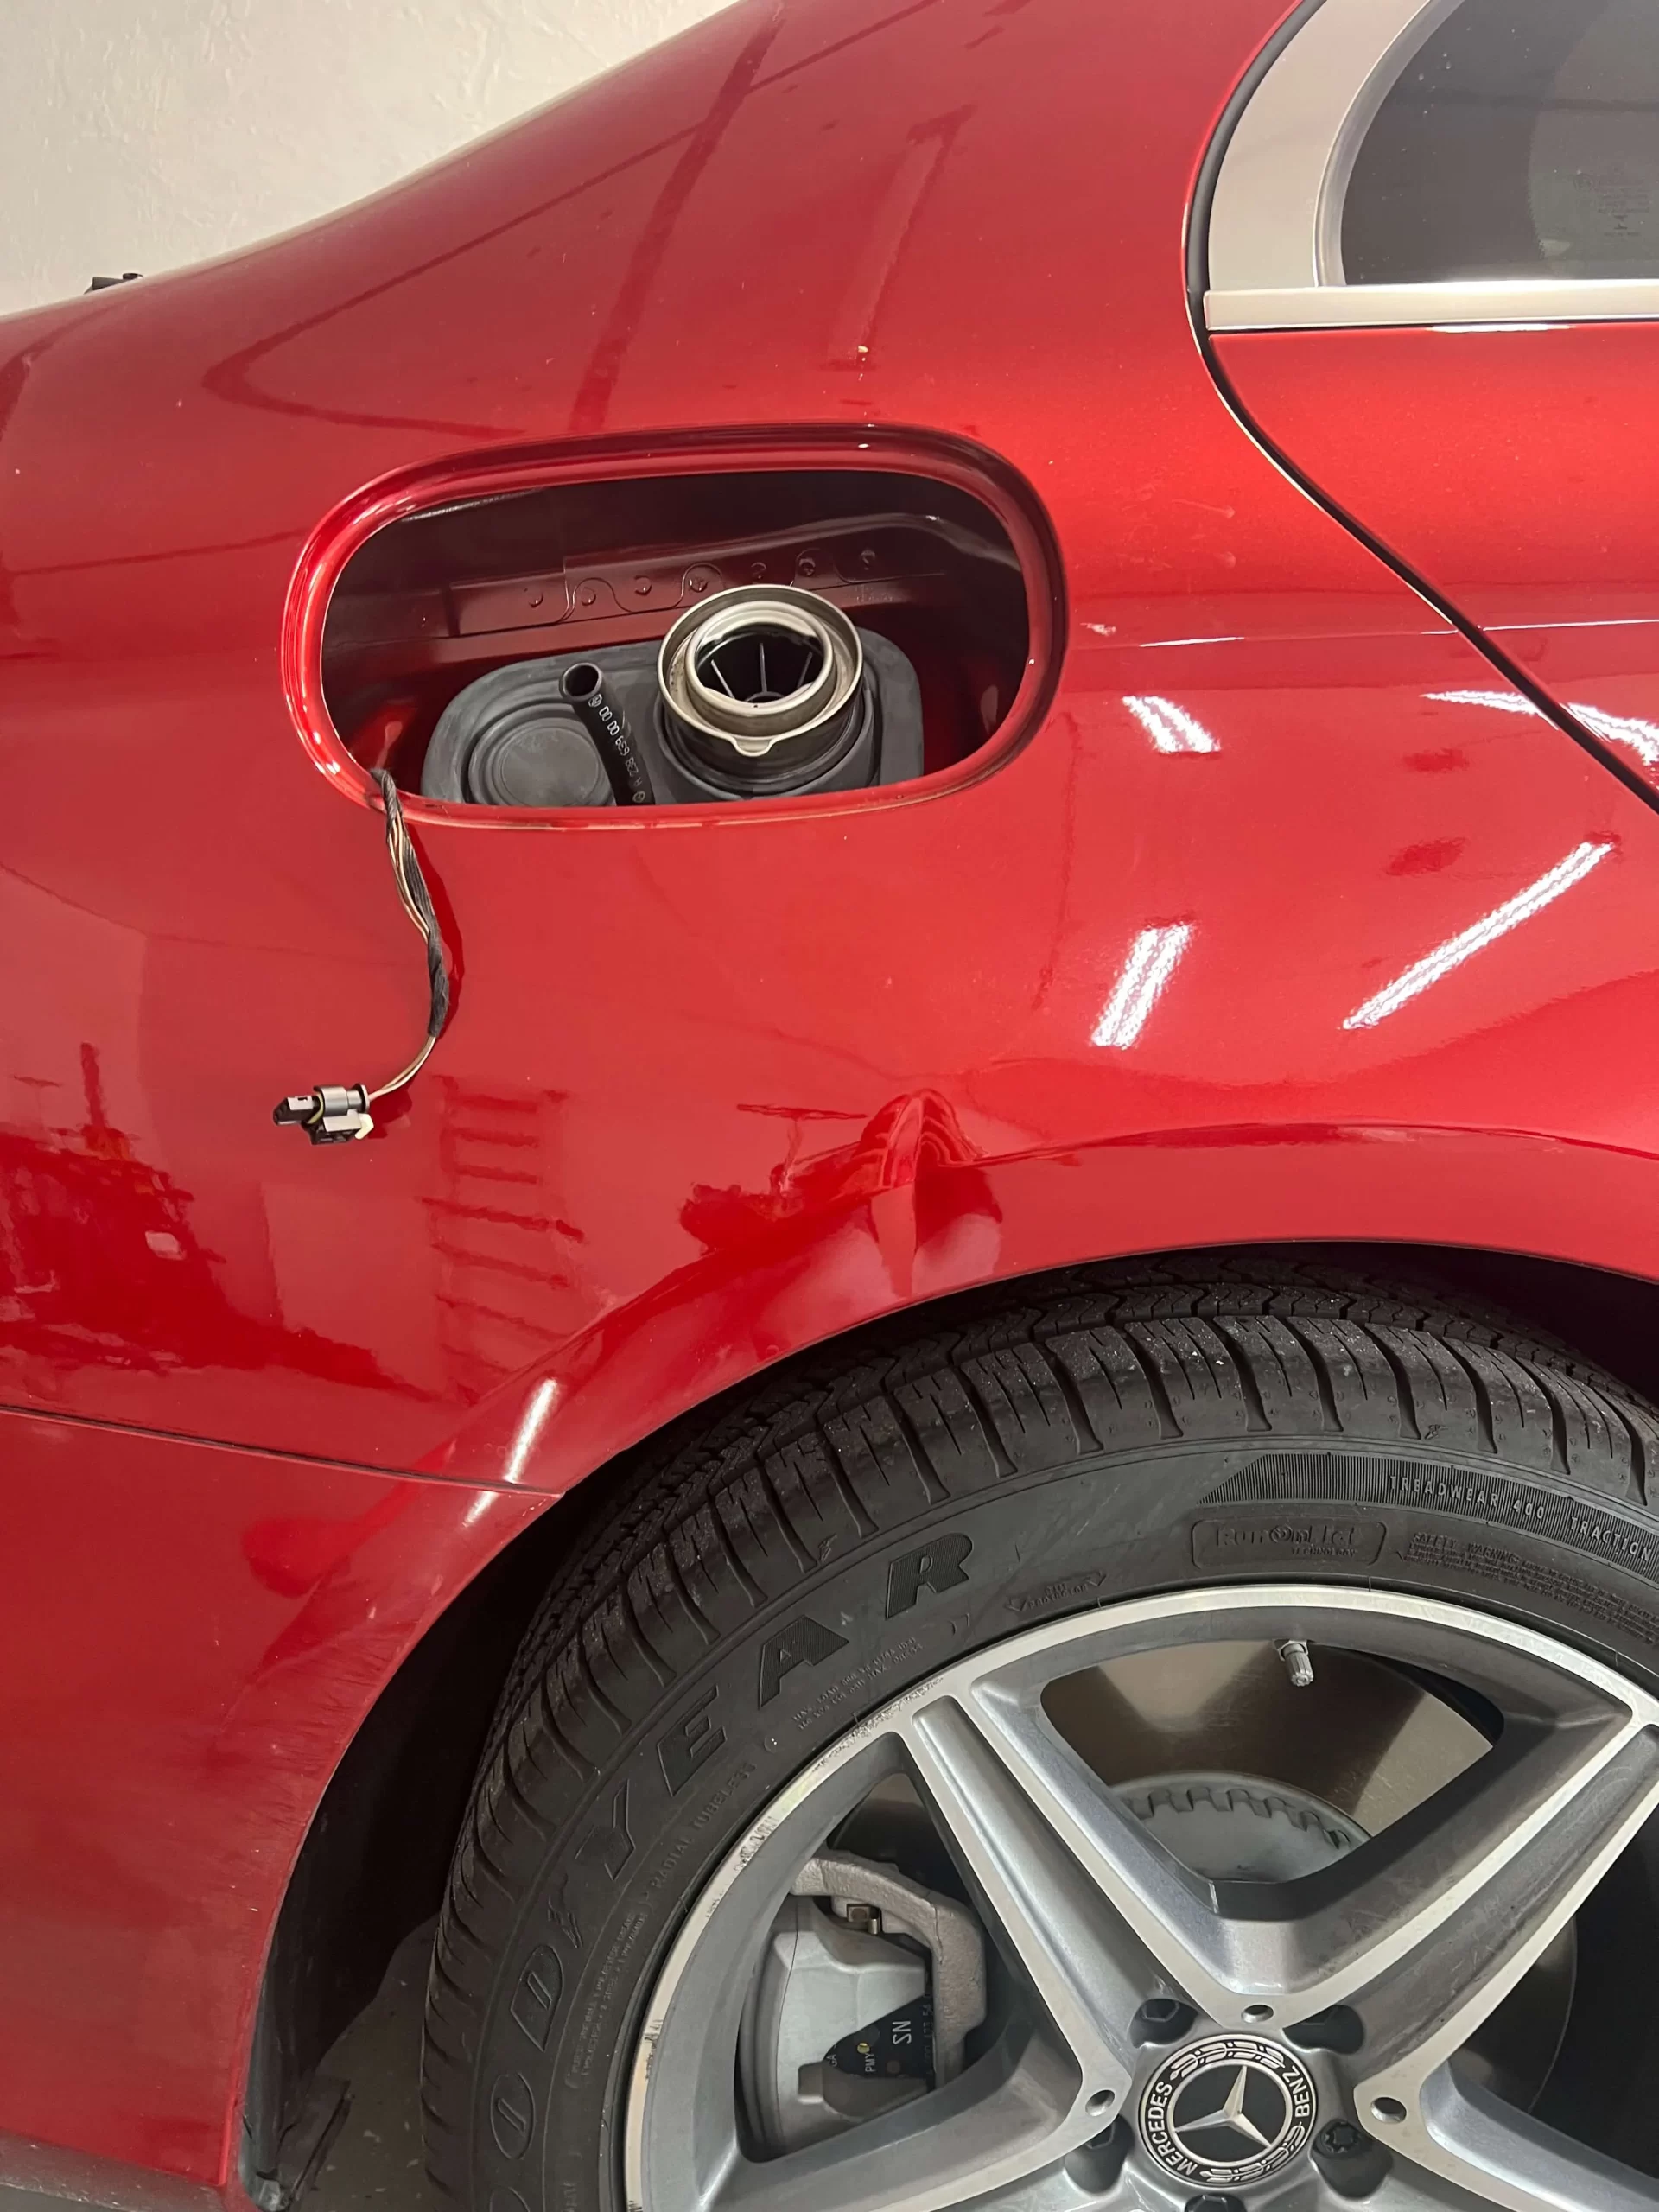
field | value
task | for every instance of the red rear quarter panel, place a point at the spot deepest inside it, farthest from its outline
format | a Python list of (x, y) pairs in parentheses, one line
[(717, 1087), (1512, 471)]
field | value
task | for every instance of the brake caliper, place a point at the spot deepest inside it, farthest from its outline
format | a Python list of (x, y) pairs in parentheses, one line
[(870, 1988)]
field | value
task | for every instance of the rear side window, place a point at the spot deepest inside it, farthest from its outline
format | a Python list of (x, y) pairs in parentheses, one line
[(1522, 140)]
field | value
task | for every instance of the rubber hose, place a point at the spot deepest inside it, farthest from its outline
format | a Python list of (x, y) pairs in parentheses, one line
[(583, 686)]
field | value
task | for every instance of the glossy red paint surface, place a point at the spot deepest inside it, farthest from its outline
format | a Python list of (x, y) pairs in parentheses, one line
[(718, 1085), (1512, 469), (200, 1632)]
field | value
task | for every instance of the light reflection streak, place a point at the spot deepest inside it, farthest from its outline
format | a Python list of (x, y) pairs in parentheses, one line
[(531, 1422), (1154, 957), (1171, 729), (1501, 703), (1510, 915), (1642, 737), (1601, 622)]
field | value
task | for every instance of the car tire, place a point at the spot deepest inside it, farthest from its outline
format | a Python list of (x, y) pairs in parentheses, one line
[(769, 1577)]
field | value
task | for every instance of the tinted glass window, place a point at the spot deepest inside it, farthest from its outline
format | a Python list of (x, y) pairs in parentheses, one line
[(1521, 141)]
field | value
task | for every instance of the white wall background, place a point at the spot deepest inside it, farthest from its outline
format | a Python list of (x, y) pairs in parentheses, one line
[(142, 134)]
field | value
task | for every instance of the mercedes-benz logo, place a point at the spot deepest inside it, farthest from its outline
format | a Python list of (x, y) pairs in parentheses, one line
[(1229, 2108)]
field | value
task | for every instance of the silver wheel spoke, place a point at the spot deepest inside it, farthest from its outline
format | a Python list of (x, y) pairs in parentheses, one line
[(1469, 2145), (1519, 1842), (1562, 1833), (1088, 1970), (1222, 1965), (1554, 1820)]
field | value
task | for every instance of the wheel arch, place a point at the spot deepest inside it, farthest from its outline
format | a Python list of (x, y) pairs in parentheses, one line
[(918, 1218), (375, 1858)]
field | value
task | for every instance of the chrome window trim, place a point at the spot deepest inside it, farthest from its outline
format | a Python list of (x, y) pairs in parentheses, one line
[(1459, 306), (1274, 236), (1274, 222)]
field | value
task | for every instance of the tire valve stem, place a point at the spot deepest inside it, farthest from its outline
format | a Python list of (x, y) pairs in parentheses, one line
[(1299, 1663)]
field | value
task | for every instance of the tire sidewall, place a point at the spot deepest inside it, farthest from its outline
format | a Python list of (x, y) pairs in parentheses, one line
[(633, 1842)]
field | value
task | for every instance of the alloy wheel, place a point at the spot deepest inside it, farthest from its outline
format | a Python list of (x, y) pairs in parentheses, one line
[(1311, 2008)]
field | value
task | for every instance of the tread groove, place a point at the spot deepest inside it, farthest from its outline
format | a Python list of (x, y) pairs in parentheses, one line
[(1169, 1427), (591, 1685), (1482, 1399), (798, 1551), (1411, 1427), (740, 1575), (1088, 1440), (1331, 1418), (1249, 1387), (863, 1526), (560, 1741), (934, 1491), (699, 1619)]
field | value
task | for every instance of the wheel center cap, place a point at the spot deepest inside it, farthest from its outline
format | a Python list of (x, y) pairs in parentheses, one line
[(1227, 2108)]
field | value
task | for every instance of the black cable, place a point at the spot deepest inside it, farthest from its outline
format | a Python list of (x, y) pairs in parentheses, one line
[(337, 1113), (417, 905)]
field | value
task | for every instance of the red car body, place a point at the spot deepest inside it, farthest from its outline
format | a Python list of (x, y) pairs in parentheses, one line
[(720, 1083)]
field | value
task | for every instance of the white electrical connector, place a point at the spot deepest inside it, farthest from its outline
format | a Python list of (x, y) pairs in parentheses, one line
[(338, 1112)]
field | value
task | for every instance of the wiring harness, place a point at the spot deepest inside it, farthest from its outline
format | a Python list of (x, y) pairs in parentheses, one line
[(336, 1113)]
